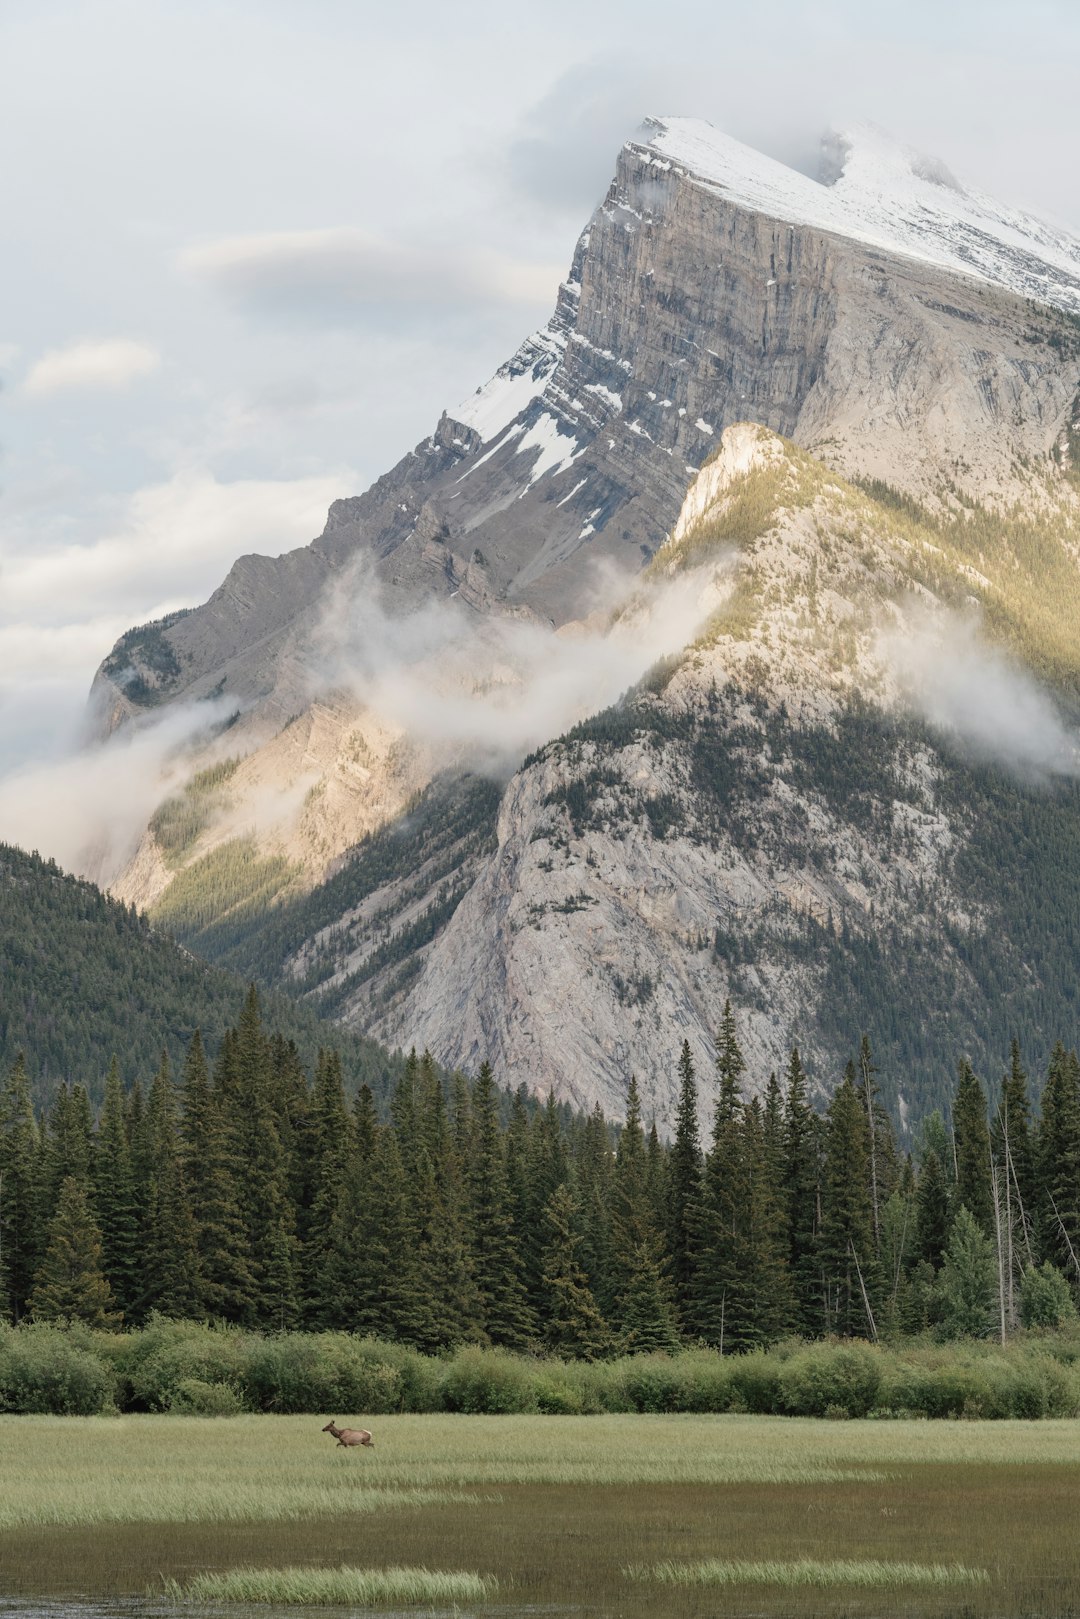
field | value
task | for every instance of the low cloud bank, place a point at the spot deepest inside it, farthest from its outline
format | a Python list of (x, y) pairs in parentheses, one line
[(88, 810), (975, 692), (492, 689)]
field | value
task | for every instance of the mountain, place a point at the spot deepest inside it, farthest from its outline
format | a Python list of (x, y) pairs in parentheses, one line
[(83, 978), (839, 417)]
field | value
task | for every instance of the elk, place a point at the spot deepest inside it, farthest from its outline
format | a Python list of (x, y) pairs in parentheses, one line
[(349, 1436)]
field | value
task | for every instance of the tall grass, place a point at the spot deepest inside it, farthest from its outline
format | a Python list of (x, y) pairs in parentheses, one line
[(859, 1572), (332, 1587)]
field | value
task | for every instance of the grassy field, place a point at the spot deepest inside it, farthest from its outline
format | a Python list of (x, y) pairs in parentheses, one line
[(628, 1515)]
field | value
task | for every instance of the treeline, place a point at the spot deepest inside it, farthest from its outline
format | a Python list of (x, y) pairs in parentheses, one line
[(253, 1194)]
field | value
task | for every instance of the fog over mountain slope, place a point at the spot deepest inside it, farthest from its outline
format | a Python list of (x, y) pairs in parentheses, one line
[(917, 350)]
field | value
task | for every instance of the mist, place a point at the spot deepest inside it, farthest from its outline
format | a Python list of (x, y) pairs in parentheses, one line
[(89, 809), (978, 694), (487, 691)]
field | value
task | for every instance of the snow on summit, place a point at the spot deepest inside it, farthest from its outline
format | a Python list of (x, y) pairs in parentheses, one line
[(882, 193)]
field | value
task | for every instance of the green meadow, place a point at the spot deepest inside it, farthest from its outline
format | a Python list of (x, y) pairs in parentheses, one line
[(604, 1515)]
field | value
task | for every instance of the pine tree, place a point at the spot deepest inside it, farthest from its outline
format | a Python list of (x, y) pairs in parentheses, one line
[(21, 1191), (70, 1284), (385, 1268), (573, 1325), (881, 1154), (972, 1137), (114, 1197), (721, 1274)]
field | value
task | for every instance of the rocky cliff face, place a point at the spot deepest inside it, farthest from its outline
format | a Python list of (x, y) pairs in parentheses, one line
[(896, 331)]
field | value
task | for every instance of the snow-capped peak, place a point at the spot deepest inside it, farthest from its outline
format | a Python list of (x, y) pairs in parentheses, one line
[(878, 191)]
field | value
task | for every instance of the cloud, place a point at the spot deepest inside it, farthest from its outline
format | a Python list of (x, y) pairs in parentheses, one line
[(344, 273), (488, 690), (89, 809), (111, 365), (175, 541), (977, 694)]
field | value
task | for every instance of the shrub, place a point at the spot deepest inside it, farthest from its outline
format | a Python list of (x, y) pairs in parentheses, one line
[(326, 1371), (193, 1397), (706, 1380), (1045, 1298), (556, 1395), (489, 1381), (755, 1383), (155, 1361), (831, 1380), (651, 1383), (50, 1369)]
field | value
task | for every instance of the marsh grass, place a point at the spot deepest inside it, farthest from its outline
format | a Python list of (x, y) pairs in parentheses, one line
[(864, 1573), (555, 1508), (175, 1469), (332, 1587)]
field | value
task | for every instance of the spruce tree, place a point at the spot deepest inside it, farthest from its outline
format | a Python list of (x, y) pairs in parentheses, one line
[(332, 1144), (644, 1310), (68, 1142), (266, 1209), (1058, 1157), (969, 1280), (1013, 1148), (722, 1304), (684, 1192), (765, 1290), (802, 1189), (506, 1317), (972, 1137), (21, 1191), (212, 1176), (573, 1325), (70, 1284), (932, 1211), (593, 1190), (114, 1197), (170, 1281), (847, 1249)]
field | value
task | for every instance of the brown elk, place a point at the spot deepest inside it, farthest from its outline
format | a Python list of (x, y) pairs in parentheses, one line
[(349, 1436)]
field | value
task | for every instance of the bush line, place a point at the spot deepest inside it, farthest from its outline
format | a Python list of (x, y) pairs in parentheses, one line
[(188, 1367)]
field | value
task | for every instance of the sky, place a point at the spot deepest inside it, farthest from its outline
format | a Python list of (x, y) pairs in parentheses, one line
[(253, 248)]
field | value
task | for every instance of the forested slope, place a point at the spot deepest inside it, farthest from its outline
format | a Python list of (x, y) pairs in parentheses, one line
[(83, 978)]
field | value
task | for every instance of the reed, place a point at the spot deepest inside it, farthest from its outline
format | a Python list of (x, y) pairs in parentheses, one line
[(864, 1573), (331, 1587)]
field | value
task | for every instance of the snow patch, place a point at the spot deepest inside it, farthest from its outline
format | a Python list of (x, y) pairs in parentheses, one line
[(887, 195), (556, 449)]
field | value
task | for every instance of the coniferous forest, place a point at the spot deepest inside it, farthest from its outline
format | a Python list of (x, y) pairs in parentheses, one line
[(245, 1190)]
